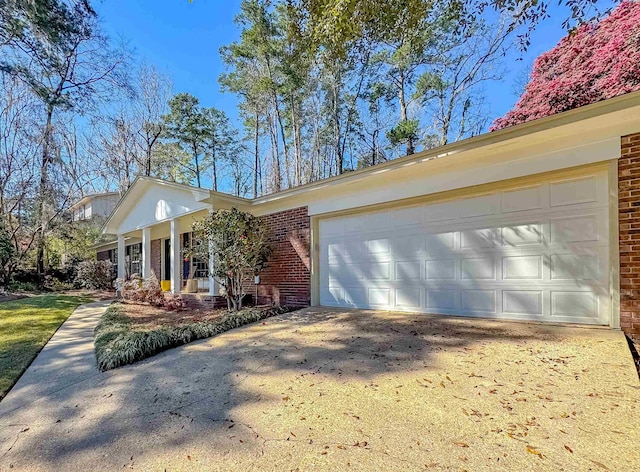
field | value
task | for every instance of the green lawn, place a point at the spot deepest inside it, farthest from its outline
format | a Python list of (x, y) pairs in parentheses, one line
[(25, 327)]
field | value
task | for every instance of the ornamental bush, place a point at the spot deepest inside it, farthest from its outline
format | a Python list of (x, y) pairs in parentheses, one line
[(148, 290), (94, 275), (239, 244), (117, 342)]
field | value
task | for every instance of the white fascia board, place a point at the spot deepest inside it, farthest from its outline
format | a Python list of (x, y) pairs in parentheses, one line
[(471, 172)]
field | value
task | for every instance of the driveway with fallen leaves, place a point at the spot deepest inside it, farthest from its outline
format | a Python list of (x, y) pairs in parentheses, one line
[(340, 390)]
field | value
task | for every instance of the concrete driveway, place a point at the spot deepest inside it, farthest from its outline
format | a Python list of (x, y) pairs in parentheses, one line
[(334, 390)]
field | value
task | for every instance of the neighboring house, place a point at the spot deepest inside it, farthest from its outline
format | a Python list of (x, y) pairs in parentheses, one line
[(94, 206), (533, 222)]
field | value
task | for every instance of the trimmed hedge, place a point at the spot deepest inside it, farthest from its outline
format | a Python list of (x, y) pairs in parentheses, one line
[(117, 342)]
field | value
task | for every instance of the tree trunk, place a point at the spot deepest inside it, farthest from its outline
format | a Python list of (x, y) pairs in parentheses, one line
[(43, 190), (403, 115), (257, 158), (214, 167), (336, 130), (275, 153), (197, 163)]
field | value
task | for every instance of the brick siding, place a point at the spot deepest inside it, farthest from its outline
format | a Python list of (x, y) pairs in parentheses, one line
[(156, 258), (287, 278), (629, 220)]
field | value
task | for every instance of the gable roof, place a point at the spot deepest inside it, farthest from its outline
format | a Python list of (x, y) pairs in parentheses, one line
[(92, 196), (137, 191)]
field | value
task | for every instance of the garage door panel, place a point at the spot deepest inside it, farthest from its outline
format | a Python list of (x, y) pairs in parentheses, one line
[(357, 297), (530, 198), (570, 229), (405, 217), (379, 297), (332, 296), (482, 205), (409, 247), (509, 254), (408, 297), (577, 267), (522, 267), (441, 269), (441, 212), (478, 301), (523, 302), (478, 268), (379, 246), (573, 191), (574, 304), (408, 271), (442, 300), (435, 243), (523, 234), (478, 239)]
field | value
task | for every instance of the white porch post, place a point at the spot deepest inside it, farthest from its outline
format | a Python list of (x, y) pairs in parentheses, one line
[(175, 256), (121, 255), (146, 252), (212, 289)]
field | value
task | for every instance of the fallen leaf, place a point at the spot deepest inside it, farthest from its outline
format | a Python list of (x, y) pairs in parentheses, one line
[(461, 444), (568, 449), (534, 451), (600, 464)]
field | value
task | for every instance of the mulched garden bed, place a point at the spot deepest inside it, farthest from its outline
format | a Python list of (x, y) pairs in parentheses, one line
[(149, 316), (9, 297)]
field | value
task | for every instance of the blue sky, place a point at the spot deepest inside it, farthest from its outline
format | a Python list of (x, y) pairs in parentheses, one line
[(183, 39)]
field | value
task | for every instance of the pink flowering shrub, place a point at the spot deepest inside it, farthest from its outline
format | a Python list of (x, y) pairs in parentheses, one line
[(153, 292), (132, 289), (596, 62), (174, 302), (148, 290)]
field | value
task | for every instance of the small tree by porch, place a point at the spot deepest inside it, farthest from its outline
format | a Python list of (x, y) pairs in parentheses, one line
[(239, 246)]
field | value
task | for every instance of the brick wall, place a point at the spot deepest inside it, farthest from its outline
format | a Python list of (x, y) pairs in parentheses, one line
[(156, 258), (287, 277), (102, 255), (629, 219)]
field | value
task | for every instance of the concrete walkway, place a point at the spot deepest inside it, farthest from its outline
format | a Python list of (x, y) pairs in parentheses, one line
[(333, 390), (66, 360)]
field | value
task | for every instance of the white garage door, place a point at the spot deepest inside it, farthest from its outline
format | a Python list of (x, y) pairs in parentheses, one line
[(536, 252)]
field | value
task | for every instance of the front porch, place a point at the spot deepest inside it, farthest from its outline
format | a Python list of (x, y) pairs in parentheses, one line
[(152, 224), (164, 250)]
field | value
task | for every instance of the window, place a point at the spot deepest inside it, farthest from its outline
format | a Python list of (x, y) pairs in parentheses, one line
[(199, 267), (113, 258), (134, 256)]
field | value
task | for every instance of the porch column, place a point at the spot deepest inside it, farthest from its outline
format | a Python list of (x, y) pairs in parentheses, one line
[(146, 252), (121, 255), (175, 256), (212, 289)]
